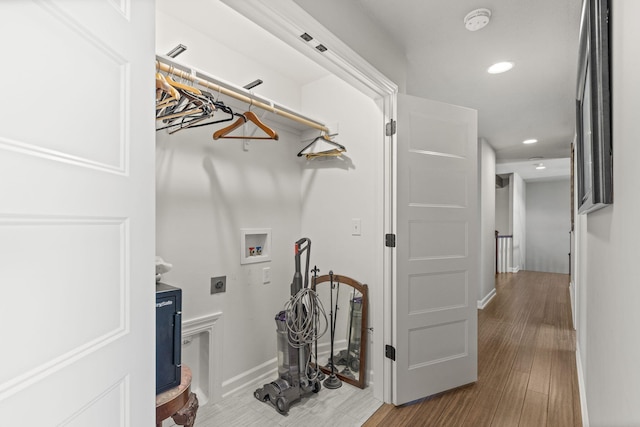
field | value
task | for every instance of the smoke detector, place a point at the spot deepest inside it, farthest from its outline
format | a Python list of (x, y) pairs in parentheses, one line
[(477, 19)]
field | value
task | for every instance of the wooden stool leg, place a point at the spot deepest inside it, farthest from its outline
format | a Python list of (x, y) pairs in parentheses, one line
[(186, 416)]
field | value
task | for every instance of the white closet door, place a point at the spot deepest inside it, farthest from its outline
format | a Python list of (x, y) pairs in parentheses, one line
[(77, 213), (435, 315)]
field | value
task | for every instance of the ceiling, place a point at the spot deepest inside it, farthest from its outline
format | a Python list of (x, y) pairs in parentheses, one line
[(554, 169), (448, 63)]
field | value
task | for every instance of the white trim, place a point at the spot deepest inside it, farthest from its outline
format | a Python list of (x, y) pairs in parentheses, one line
[(287, 21), (267, 369), (390, 227), (484, 301), (208, 325), (582, 389), (572, 299)]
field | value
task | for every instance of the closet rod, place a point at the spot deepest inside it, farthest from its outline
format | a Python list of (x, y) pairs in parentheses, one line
[(211, 84)]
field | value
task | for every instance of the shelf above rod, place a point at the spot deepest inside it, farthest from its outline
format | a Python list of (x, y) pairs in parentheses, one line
[(166, 64)]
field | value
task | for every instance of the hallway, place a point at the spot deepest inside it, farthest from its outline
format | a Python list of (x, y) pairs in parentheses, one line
[(526, 363)]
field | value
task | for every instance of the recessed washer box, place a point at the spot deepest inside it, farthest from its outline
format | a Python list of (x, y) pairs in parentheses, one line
[(255, 245)]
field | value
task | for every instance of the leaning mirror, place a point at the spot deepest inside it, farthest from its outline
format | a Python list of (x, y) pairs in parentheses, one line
[(347, 299)]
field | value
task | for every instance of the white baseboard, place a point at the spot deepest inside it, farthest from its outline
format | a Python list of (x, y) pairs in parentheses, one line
[(572, 299), (268, 369), (484, 301), (583, 392)]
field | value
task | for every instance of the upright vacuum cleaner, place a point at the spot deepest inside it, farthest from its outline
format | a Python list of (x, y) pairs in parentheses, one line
[(297, 328)]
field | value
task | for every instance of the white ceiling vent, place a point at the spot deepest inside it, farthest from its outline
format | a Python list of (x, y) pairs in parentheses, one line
[(477, 19)]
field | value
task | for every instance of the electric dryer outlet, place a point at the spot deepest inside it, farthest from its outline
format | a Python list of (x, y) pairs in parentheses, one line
[(218, 284)]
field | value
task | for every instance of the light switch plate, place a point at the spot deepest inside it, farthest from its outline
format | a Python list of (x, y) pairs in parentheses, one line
[(356, 227)]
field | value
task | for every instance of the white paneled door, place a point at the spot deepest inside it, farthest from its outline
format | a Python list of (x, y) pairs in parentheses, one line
[(77, 213), (435, 314)]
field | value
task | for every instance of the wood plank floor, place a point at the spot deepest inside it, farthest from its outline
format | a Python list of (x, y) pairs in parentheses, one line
[(526, 364)]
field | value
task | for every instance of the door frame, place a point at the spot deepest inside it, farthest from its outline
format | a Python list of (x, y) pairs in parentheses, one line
[(286, 20)]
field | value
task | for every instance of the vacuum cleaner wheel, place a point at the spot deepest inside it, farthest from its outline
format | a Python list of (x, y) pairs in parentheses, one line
[(282, 405)]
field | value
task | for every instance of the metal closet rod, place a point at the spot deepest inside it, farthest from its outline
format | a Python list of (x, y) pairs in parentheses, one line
[(237, 95)]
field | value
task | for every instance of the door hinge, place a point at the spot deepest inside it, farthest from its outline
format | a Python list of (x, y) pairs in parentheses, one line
[(390, 352), (390, 128), (390, 240)]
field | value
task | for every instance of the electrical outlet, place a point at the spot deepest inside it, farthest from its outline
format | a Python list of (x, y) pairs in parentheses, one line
[(218, 284), (356, 225), (266, 275)]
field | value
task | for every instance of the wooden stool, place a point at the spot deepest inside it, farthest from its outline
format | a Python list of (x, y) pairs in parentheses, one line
[(178, 403)]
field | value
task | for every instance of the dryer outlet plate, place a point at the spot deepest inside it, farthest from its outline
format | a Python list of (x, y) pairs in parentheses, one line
[(218, 284)]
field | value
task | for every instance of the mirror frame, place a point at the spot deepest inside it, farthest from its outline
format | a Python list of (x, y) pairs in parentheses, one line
[(364, 337)]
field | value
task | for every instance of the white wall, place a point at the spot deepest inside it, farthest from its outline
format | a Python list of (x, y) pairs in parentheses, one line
[(208, 190), (487, 184), (518, 220), (548, 224), (336, 191), (503, 224), (612, 348)]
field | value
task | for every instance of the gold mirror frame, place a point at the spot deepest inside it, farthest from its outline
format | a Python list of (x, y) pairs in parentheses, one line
[(364, 291)]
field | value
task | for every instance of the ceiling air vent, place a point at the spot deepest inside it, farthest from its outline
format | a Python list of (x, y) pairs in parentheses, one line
[(321, 48), (306, 37)]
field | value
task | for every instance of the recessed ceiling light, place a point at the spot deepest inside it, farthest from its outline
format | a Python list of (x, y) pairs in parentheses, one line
[(500, 67), (529, 141), (540, 166)]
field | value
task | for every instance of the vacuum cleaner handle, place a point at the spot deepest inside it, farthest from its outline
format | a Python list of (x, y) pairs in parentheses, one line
[(297, 284), (300, 242)]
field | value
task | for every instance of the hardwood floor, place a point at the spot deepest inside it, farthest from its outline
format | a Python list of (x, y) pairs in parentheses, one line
[(526, 364)]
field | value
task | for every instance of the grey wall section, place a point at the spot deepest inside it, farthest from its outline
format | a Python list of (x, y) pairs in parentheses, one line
[(502, 211), (548, 225), (612, 348), (487, 172), (518, 222)]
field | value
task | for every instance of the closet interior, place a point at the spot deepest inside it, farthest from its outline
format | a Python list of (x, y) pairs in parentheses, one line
[(296, 156)]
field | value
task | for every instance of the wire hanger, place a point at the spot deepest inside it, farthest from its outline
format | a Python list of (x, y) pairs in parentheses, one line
[(200, 121), (334, 152)]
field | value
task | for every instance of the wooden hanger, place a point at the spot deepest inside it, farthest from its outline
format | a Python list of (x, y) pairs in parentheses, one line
[(334, 152), (250, 116), (182, 86), (162, 84), (166, 95), (220, 133), (329, 153)]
